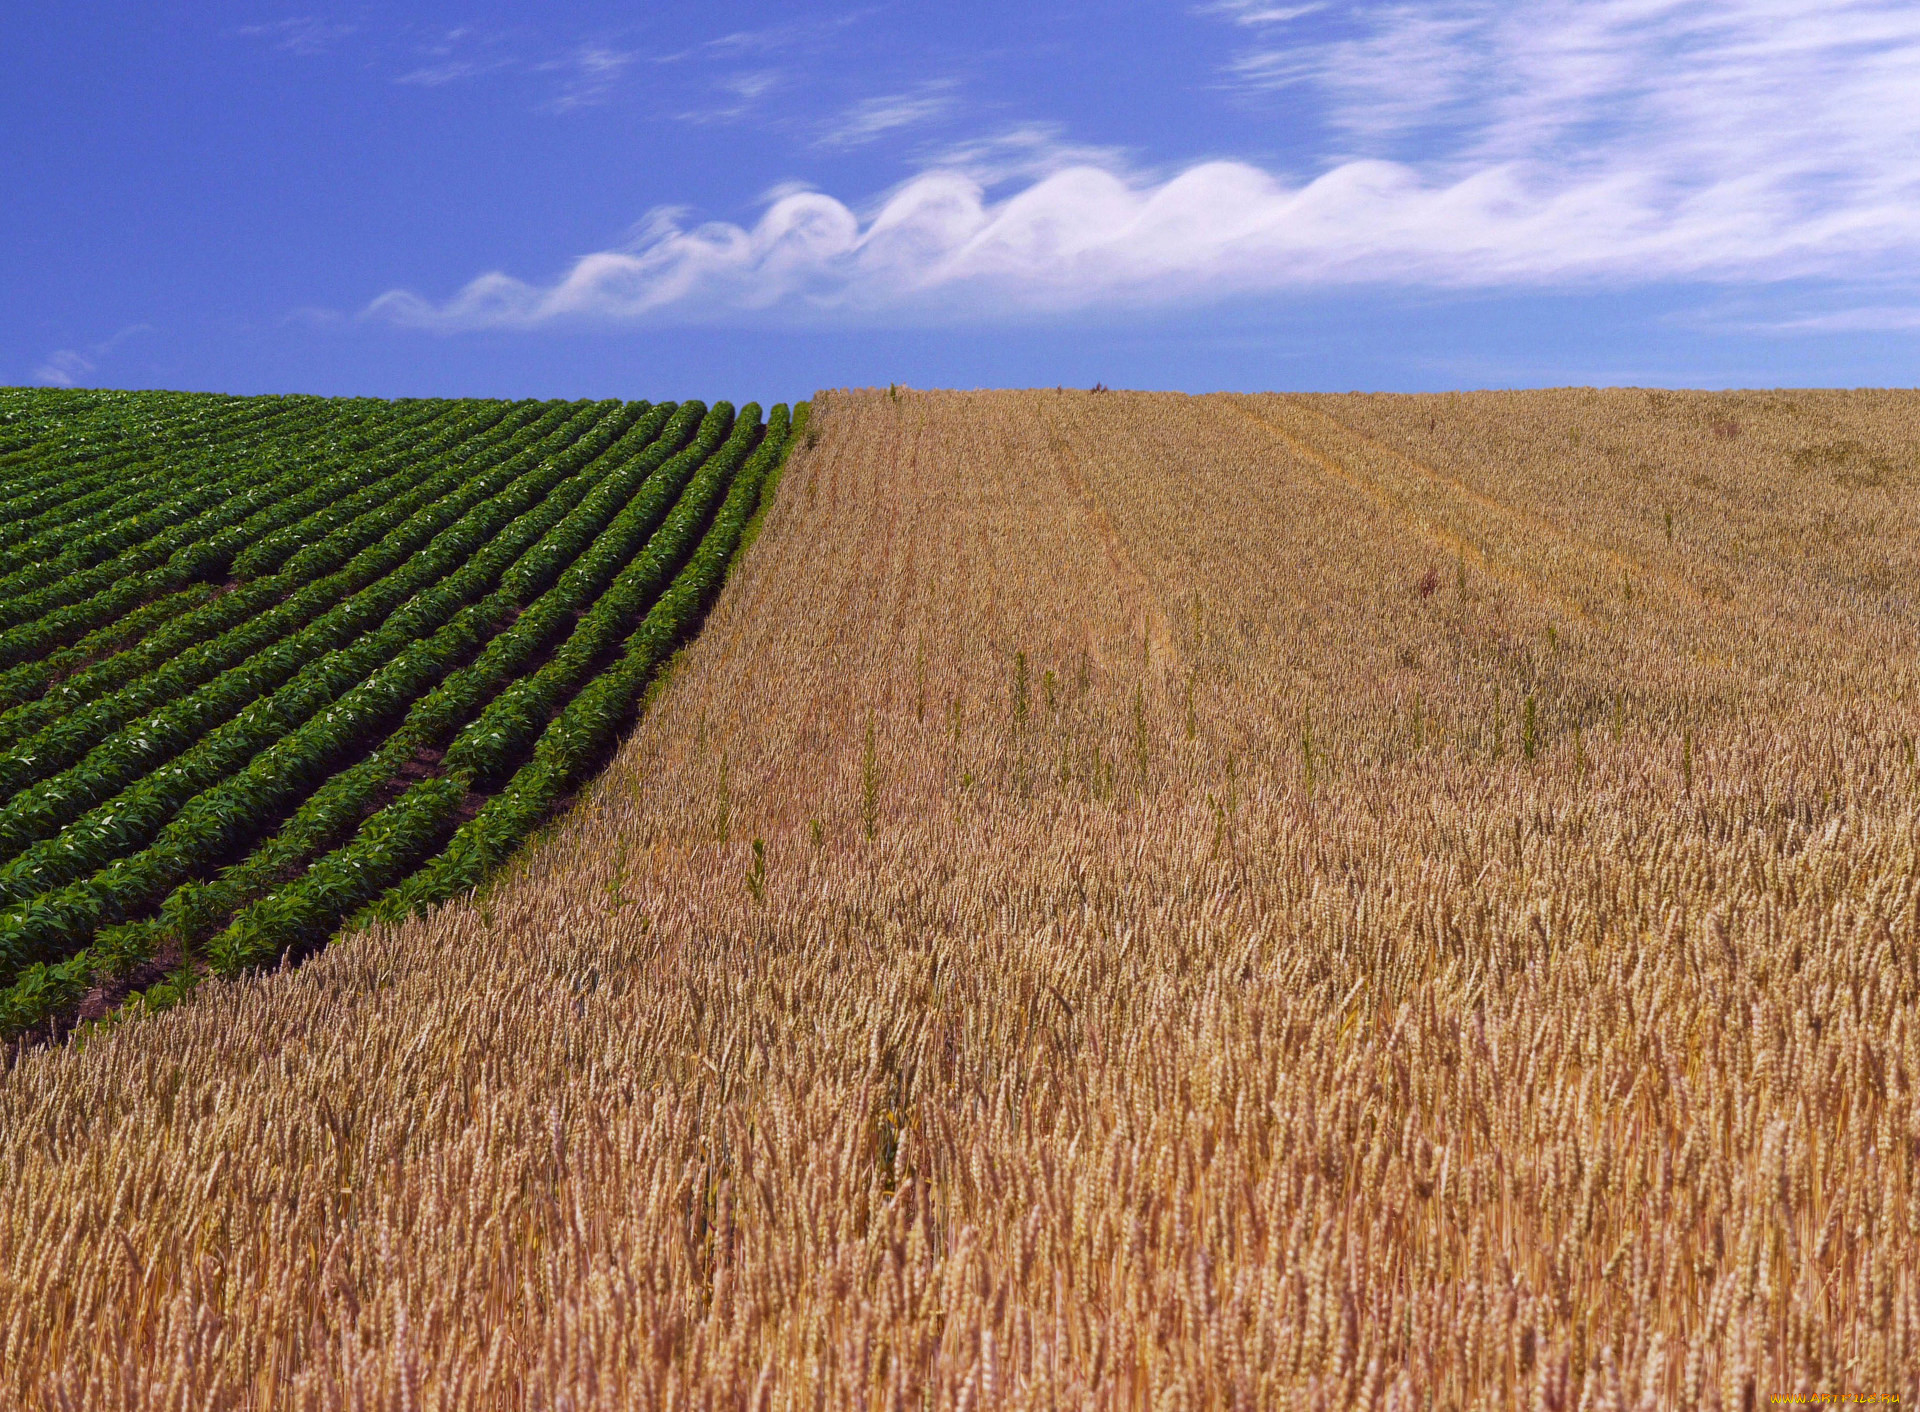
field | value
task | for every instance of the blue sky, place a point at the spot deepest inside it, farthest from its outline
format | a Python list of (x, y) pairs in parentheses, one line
[(746, 199)]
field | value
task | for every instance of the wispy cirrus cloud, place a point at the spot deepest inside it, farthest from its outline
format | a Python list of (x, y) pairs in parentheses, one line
[(69, 367), (872, 118), (438, 75), (808, 34), (1474, 144), (785, 60), (734, 96), (457, 55), (1632, 79), (717, 80), (1024, 152), (581, 74), (304, 34), (65, 368), (1259, 12), (1881, 318), (591, 73), (771, 40)]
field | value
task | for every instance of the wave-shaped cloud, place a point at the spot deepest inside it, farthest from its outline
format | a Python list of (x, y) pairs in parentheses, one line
[(1615, 142), (1087, 236)]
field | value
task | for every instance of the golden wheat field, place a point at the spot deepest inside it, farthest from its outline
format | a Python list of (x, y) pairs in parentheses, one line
[(1131, 901)]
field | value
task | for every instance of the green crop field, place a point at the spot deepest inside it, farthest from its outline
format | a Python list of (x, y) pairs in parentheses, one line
[(269, 662)]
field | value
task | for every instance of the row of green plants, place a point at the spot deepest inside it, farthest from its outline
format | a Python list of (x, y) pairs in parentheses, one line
[(88, 478), (335, 535), (346, 850), (529, 701), (429, 469), (151, 497), (222, 494), (127, 879), (30, 681), (277, 750), (79, 483), (578, 736), (334, 463), (369, 620), (207, 825), (306, 510), (345, 561), (208, 558), (48, 526)]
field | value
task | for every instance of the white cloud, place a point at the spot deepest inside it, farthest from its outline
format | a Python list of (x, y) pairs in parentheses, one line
[(1023, 153), (1257, 12), (784, 38), (304, 35), (65, 368), (462, 53), (592, 72), (743, 90), (1608, 142), (70, 366), (751, 84), (1734, 80), (1891, 318), (754, 41), (874, 117), (452, 71)]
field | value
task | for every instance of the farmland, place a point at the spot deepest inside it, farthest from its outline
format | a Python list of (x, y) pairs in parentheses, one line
[(265, 662), (1129, 900)]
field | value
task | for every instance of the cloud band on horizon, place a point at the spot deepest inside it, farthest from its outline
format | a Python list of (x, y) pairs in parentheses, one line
[(1604, 143)]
